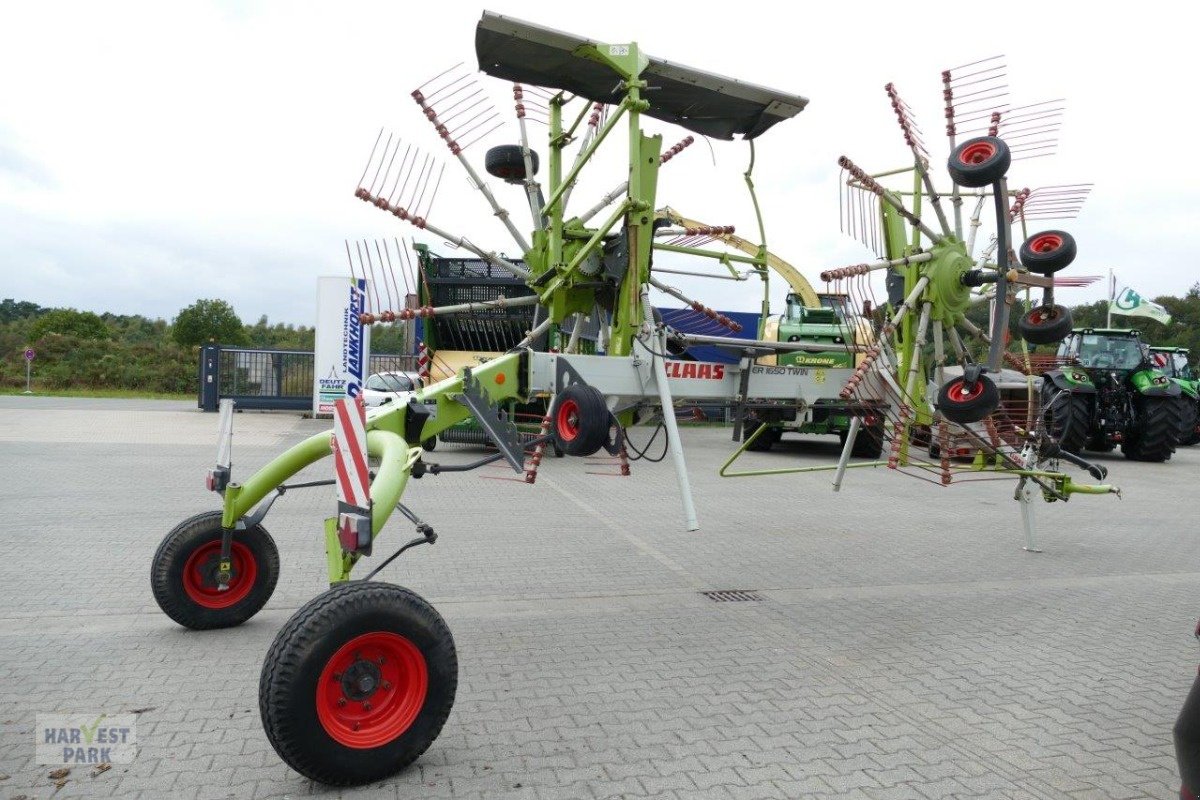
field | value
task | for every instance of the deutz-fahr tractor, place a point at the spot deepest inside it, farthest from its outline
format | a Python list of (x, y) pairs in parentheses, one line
[(833, 324), (1173, 362), (1107, 392)]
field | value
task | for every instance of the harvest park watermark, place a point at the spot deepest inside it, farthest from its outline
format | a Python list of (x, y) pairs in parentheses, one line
[(86, 738)]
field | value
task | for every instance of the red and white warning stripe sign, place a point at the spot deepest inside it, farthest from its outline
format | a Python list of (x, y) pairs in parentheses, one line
[(350, 452)]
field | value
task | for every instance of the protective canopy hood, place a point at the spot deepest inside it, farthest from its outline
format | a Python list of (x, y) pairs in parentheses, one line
[(707, 104)]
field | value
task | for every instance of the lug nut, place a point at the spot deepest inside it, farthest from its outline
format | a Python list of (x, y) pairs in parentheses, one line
[(341, 702), (387, 685), (366, 706)]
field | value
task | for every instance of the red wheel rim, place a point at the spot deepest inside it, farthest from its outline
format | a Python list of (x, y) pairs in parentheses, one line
[(959, 392), (977, 152), (200, 575), (1046, 243), (372, 690), (1040, 316), (568, 420)]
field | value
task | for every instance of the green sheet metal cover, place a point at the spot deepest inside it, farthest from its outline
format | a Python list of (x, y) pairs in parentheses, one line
[(702, 102)]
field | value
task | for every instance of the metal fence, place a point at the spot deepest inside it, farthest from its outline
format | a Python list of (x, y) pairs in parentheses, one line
[(270, 379)]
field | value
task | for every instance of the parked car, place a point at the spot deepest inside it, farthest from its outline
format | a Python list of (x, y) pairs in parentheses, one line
[(390, 387)]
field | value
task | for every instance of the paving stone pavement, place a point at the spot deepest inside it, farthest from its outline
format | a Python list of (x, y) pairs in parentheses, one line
[(906, 647)]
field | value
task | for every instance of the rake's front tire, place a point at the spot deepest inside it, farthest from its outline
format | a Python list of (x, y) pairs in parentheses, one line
[(183, 573), (358, 683)]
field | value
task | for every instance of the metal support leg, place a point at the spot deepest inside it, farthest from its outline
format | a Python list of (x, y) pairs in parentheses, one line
[(855, 424), (668, 411), (1026, 496)]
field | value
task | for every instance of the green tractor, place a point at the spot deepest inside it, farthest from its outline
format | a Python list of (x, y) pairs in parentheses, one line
[(1173, 362), (1108, 392), (832, 324)]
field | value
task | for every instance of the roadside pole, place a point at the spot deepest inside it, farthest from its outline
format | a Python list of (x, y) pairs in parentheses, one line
[(29, 354)]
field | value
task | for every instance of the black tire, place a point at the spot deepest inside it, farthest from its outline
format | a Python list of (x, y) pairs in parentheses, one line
[(580, 420), (555, 449), (507, 162), (1068, 418), (311, 730), (1045, 324), (868, 444), (963, 404), (1156, 433), (429, 444), (183, 573), (1191, 433), (764, 442), (1048, 252), (979, 162)]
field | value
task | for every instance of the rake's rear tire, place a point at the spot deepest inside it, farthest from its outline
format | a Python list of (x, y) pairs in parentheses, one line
[(580, 420), (1048, 252), (979, 162), (965, 404), (1045, 324), (507, 162), (358, 683), (183, 573), (1160, 422)]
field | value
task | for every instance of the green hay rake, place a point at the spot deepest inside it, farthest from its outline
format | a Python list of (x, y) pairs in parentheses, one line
[(360, 680)]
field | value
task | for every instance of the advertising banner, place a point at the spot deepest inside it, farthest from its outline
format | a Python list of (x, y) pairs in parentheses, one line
[(343, 343)]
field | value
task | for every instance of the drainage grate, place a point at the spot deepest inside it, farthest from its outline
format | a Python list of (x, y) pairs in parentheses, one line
[(734, 596)]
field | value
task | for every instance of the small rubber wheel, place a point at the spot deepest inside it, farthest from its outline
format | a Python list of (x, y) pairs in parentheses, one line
[(183, 573), (964, 404), (429, 444), (1045, 324), (358, 683), (507, 162), (1048, 252), (979, 162), (581, 420)]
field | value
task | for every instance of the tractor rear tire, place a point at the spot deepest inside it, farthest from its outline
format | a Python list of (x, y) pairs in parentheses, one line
[(1160, 423), (183, 573), (1068, 418), (358, 683), (1191, 425)]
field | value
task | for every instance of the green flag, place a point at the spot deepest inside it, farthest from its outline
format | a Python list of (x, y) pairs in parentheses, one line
[(1132, 304)]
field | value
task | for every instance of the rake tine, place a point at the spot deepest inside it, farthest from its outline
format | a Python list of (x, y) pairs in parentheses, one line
[(370, 158), (386, 288), (388, 144), (440, 74), (433, 195), (374, 282)]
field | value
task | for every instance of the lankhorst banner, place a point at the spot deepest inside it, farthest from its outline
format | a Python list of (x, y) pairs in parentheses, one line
[(343, 343)]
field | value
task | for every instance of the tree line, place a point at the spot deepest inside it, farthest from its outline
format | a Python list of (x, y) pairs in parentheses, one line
[(85, 350)]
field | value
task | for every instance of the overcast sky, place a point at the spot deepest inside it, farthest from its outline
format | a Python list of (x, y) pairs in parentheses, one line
[(152, 154)]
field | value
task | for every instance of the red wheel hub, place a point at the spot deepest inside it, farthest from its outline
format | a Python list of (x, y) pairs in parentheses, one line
[(977, 153), (1040, 316), (200, 575), (1046, 243), (372, 690), (567, 420), (959, 392)]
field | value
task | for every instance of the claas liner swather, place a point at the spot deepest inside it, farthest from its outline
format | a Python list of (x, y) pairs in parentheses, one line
[(358, 683)]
